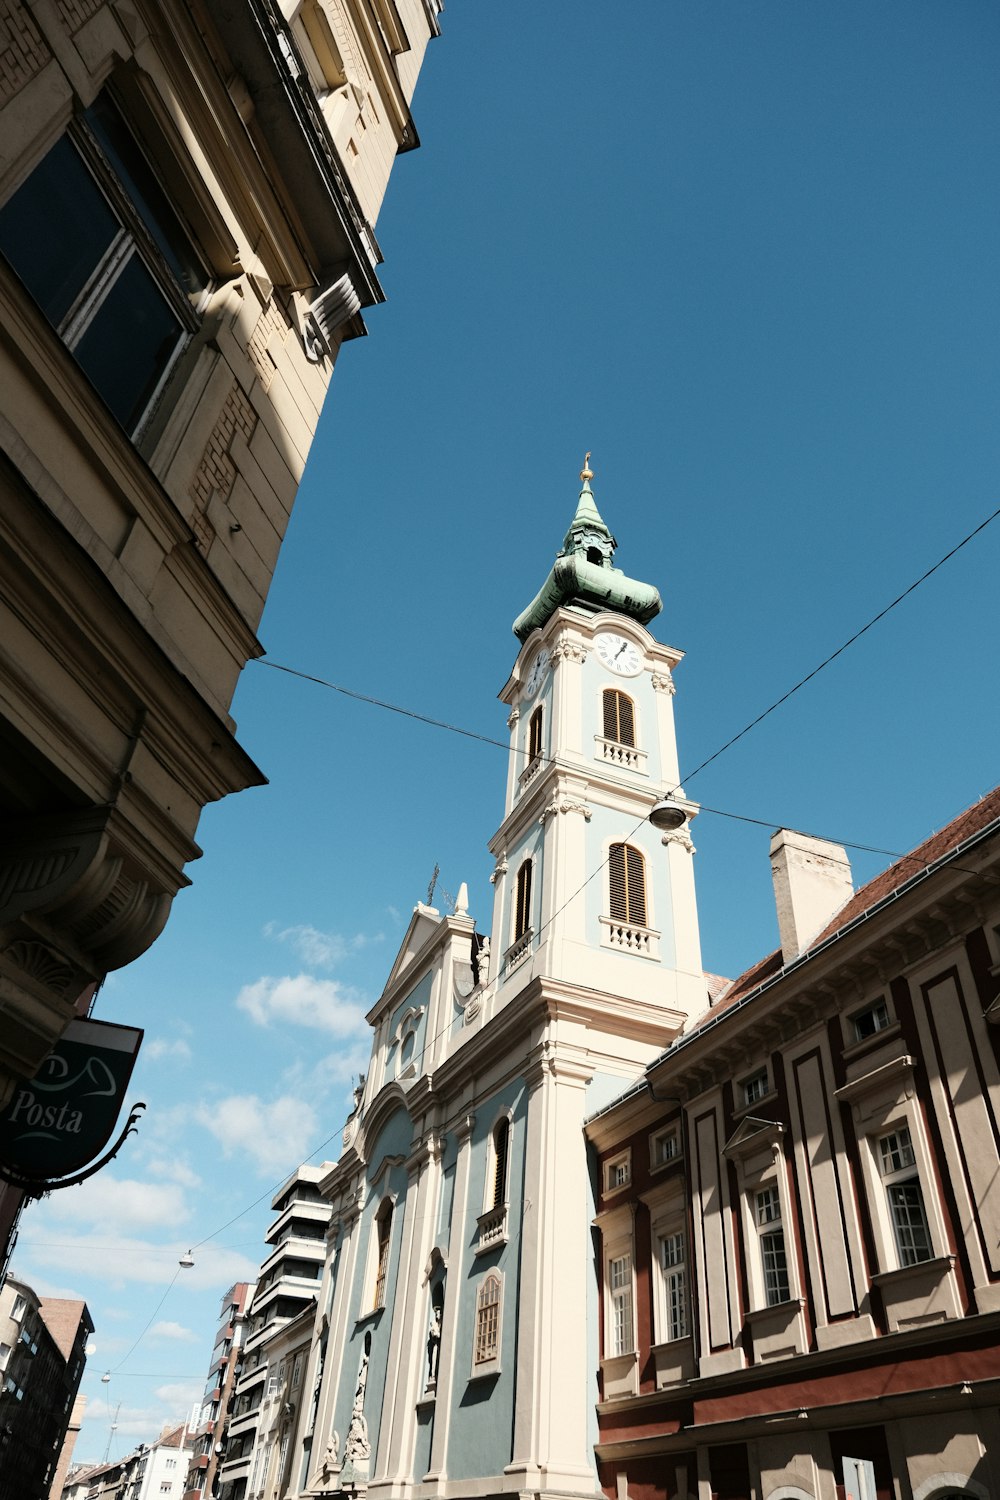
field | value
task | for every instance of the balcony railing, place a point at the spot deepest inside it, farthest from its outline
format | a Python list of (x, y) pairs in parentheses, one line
[(492, 1228), (629, 937), (530, 771), (518, 951), (626, 756)]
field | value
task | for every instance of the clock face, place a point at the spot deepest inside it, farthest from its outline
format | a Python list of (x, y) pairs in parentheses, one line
[(536, 674), (618, 654)]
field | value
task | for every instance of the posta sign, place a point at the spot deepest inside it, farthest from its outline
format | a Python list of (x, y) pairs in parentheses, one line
[(62, 1118)]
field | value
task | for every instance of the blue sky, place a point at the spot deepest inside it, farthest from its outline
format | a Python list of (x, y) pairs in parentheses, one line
[(746, 254)]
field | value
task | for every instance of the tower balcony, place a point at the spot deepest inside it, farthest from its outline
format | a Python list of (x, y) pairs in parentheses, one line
[(629, 937), (530, 771), (614, 754), (492, 1228), (518, 951)]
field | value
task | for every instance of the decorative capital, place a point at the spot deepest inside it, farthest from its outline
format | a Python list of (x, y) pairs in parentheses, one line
[(500, 870), (565, 805), (570, 651), (513, 717), (663, 681), (680, 836)]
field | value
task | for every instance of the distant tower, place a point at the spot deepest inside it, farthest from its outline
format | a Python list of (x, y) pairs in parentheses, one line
[(456, 1341)]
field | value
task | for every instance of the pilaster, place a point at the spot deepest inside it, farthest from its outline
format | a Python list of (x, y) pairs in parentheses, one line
[(551, 1448), (456, 1275), (410, 1321)]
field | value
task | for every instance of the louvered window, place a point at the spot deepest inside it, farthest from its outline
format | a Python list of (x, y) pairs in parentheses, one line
[(501, 1142), (619, 717), (383, 1227), (627, 885), (535, 735), (522, 912)]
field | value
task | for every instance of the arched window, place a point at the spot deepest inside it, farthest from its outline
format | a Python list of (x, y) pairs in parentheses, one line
[(535, 735), (619, 717), (486, 1356), (522, 907), (497, 1194), (627, 885), (383, 1234)]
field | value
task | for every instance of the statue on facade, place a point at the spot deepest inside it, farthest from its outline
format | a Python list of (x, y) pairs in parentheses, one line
[(357, 1447), (331, 1458), (434, 1345)]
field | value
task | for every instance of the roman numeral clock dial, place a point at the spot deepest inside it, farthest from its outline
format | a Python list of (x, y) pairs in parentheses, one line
[(618, 654)]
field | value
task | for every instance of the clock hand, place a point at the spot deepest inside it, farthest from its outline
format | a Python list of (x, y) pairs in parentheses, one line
[(621, 648)]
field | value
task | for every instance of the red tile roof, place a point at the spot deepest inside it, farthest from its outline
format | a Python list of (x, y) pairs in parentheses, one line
[(972, 821)]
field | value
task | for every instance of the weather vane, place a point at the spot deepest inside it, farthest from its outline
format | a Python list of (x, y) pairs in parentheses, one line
[(586, 472)]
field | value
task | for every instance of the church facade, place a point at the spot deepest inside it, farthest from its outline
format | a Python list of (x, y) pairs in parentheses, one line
[(456, 1349), (604, 1224)]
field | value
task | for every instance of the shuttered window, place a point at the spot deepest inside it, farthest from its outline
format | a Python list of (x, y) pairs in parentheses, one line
[(501, 1140), (383, 1230), (535, 735), (522, 911), (627, 879), (619, 717)]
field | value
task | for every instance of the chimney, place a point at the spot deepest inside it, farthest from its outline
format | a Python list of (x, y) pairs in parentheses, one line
[(812, 881)]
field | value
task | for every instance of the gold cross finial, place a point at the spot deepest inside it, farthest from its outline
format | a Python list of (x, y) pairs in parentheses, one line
[(586, 472)]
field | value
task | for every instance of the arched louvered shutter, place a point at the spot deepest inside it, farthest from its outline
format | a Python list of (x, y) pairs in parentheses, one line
[(501, 1140), (619, 717), (522, 912), (627, 882), (535, 735)]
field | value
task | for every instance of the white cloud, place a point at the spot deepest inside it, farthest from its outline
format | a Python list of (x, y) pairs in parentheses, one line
[(118, 1205), (276, 1136), (91, 1256), (165, 1329), (160, 1047), (301, 1000), (320, 950), (173, 1169)]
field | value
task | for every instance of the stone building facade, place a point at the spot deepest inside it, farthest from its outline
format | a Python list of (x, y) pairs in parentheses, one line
[(798, 1216), (187, 200)]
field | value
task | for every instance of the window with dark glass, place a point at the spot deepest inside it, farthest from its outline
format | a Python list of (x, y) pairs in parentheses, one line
[(522, 907), (98, 245), (619, 717), (627, 882)]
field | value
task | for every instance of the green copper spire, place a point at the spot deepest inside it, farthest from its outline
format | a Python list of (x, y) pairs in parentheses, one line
[(584, 573)]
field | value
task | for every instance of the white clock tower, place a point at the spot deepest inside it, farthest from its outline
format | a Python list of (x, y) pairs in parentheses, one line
[(587, 891)]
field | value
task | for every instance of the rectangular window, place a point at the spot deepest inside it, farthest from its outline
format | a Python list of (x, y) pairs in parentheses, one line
[(664, 1147), (17, 1311), (755, 1087), (4, 1356), (97, 244), (672, 1261), (767, 1212), (618, 1172), (867, 1022), (620, 1304), (905, 1198)]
